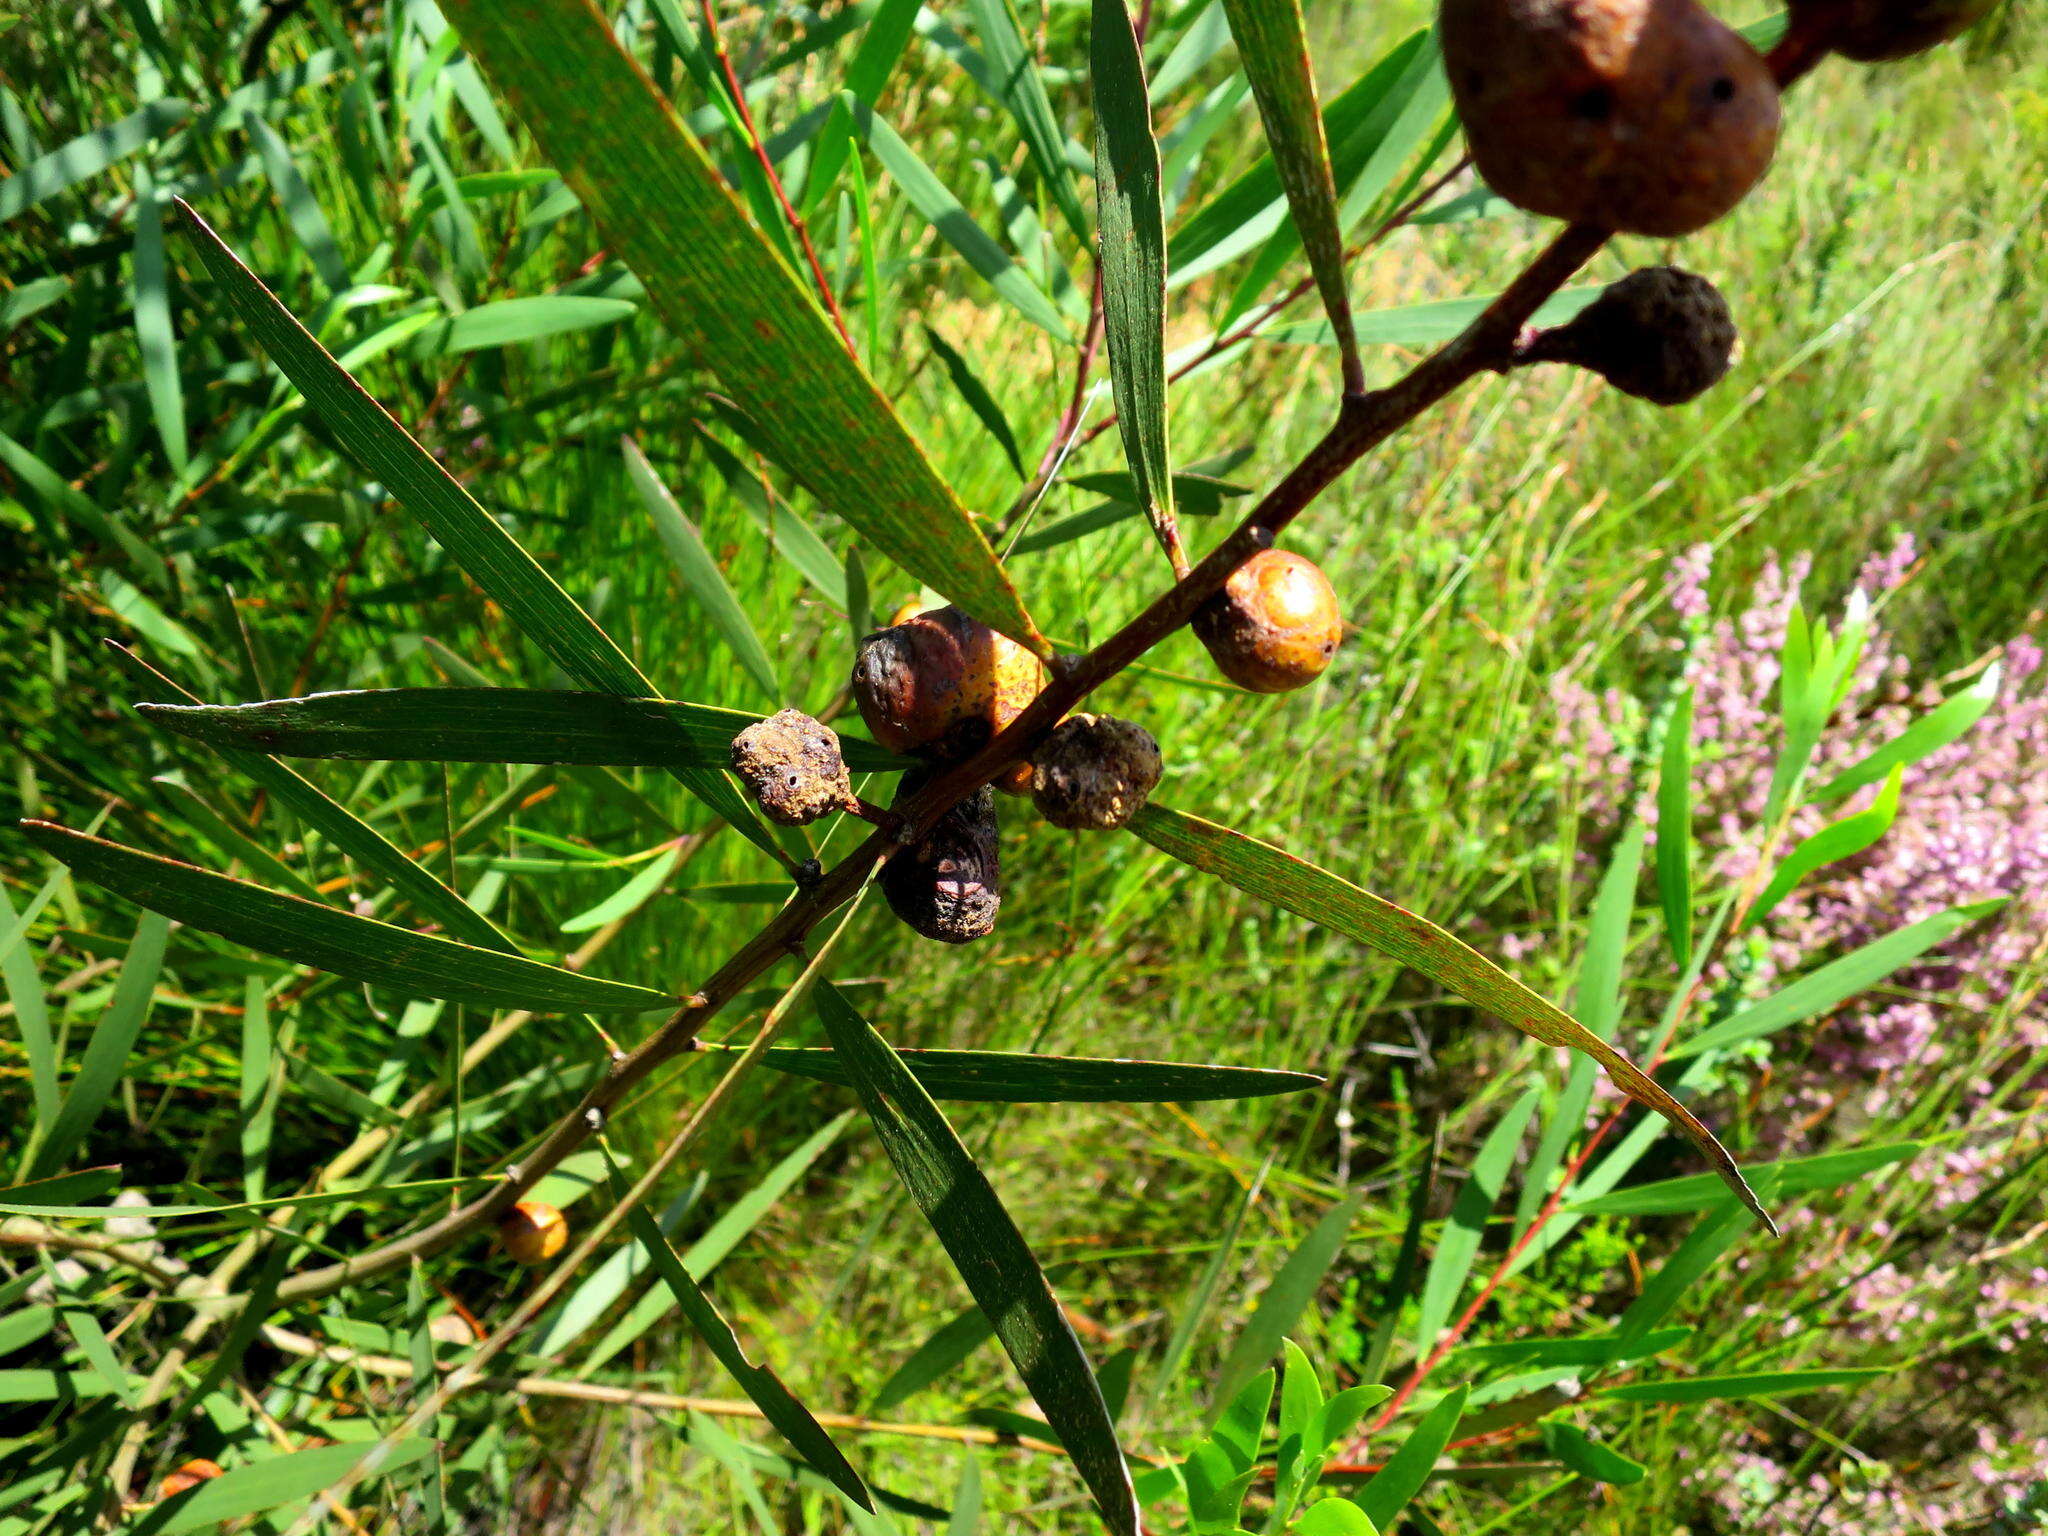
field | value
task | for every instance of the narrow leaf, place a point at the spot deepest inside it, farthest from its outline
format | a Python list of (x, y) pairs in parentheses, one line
[(373, 438), (990, 1255), (415, 964), (1831, 844), (1753, 1384), (1390, 1488), (106, 1054), (88, 155), (967, 384), (1941, 726), (795, 1422), (1131, 236), (1824, 990), (1586, 1456), (1019, 85), (1795, 1176), (484, 725), (951, 1343), (660, 205), (1593, 1350), (956, 226), (1286, 1298), (1321, 897), (1458, 1245), (510, 322), (1272, 43), (700, 573), (1674, 831), (267, 1484), (1005, 1077)]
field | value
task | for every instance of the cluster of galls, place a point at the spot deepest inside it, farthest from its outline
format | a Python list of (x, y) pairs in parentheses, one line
[(1646, 117)]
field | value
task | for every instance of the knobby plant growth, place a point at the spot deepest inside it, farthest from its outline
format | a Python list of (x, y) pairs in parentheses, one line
[(1643, 117)]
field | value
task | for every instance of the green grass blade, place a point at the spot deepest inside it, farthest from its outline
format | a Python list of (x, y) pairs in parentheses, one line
[(660, 205), (1272, 43), (109, 528), (24, 986), (955, 225), (1132, 238), (1674, 831), (1831, 844), (484, 725), (1713, 1235), (628, 898), (1013, 73), (1003, 1077), (1390, 1488), (1948, 722), (88, 155), (1321, 897), (1794, 1176), (778, 1406), (721, 1237), (1285, 1300), (700, 573), (1422, 325), (509, 322), (258, 1091), (267, 1484), (372, 437), (1747, 1386), (301, 208), (1580, 1453), (63, 1191), (153, 330), (348, 833), (967, 384), (794, 539), (106, 1056), (1458, 1245), (947, 1347), (990, 1255), (1596, 1349), (414, 964), (1839, 980), (881, 45)]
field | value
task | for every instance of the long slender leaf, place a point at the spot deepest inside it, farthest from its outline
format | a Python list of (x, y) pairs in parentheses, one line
[(990, 1255), (953, 1342), (1824, 990), (88, 155), (349, 834), (1458, 1245), (1948, 722), (1280, 1308), (484, 725), (511, 322), (790, 1417), (1713, 1235), (1674, 831), (700, 573), (108, 527), (375, 440), (268, 1484), (955, 225), (1586, 1456), (1272, 42), (1321, 897), (1131, 235), (1390, 1488), (881, 45), (660, 205), (1004, 1077), (1596, 1349), (1794, 1176), (24, 987), (967, 384), (720, 1238), (106, 1056), (154, 333), (1831, 844), (1753, 1384), (1021, 88), (415, 964)]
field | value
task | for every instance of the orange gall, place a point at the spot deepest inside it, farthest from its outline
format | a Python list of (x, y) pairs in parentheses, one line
[(1274, 626), (532, 1232)]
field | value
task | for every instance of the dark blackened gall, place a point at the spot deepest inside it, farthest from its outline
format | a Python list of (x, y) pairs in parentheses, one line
[(792, 765), (947, 885), (1660, 334), (1094, 772)]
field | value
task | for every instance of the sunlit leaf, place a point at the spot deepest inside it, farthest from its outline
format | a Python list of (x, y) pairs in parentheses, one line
[(1005, 1077)]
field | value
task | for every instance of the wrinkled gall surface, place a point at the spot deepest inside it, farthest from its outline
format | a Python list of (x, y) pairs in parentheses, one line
[(940, 684), (1274, 626), (1661, 334), (793, 768), (1644, 117), (1094, 772), (947, 886)]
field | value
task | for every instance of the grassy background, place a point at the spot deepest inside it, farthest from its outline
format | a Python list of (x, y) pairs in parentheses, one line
[(1891, 282)]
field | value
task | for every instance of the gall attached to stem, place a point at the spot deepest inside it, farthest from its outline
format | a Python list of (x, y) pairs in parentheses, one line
[(1094, 772), (1660, 334), (532, 1232), (940, 684), (792, 765), (1274, 626), (947, 886)]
